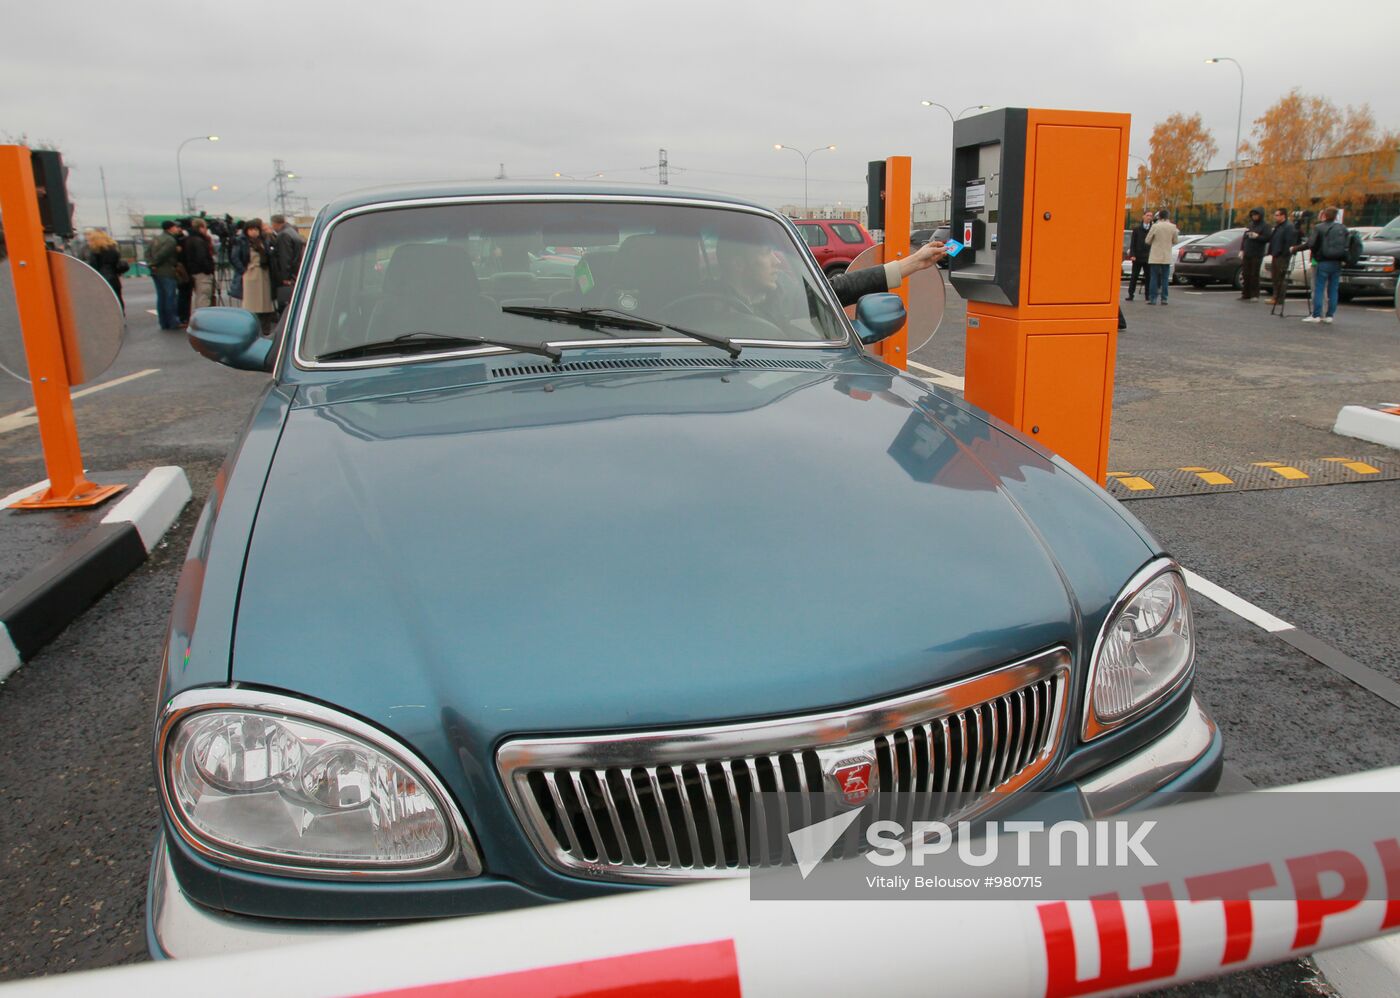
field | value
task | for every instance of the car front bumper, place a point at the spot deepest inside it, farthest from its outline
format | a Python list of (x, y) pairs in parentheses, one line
[(1187, 757), (1378, 282)]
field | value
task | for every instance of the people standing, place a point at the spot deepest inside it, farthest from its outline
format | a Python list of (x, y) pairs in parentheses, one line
[(1281, 244), (103, 256), (287, 247), (198, 257), (1160, 240), (1328, 246), (1137, 253), (257, 281), (1256, 241), (237, 244), (163, 255)]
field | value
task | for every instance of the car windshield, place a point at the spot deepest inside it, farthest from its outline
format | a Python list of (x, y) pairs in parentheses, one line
[(1391, 230), (452, 269)]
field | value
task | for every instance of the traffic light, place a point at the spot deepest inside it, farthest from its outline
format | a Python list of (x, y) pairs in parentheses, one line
[(51, 182)]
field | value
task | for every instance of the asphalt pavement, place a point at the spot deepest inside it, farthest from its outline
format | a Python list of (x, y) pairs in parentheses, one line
[(1206, 380)]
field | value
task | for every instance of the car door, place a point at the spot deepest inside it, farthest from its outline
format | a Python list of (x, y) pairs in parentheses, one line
[(820, 243)]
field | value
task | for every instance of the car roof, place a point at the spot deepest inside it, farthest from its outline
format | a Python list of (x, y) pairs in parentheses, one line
[(510, 188)]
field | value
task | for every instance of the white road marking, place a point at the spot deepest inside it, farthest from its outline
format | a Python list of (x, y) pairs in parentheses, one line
[(1235, 604), (24, 493), (941, 378), (27, 417)]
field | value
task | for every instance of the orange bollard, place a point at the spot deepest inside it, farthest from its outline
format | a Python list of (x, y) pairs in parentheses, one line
[(894, 349), (35, 296)]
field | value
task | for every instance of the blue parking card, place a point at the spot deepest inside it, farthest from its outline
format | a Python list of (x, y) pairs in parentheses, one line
[(953, 247)]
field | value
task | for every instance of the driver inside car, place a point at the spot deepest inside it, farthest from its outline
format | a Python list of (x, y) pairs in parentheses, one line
[(750, 273)]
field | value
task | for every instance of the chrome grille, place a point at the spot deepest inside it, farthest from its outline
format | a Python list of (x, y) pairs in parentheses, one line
[(662, 806)]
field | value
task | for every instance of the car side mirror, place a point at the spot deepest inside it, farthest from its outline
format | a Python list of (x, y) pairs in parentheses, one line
[(878, 316), (231, 336)]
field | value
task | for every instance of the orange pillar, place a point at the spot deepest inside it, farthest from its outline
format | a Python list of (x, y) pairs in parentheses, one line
[(894, 349), (43, 342)]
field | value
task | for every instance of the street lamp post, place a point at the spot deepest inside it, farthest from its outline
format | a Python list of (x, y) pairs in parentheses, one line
[(950, 114), (1148, 167), (1239, 120), (805, 156), (181, 173), (952, 119)]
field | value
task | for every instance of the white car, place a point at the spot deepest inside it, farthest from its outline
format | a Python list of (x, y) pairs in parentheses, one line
[(1181, 241)]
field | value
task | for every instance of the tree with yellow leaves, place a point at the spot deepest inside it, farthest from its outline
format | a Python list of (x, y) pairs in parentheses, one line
[(1180, 148), (1307, 152)]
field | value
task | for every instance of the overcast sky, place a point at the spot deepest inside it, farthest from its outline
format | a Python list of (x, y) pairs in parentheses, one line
[(353, 94)]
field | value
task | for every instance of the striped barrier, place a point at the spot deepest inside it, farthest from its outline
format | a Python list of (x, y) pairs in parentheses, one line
[(1255, 476), (711, 939)]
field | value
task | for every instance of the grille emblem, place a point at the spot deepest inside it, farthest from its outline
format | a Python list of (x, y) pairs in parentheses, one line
[(849, 778)]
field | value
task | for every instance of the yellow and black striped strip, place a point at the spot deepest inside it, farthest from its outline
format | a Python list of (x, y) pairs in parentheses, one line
[(1252, 476)]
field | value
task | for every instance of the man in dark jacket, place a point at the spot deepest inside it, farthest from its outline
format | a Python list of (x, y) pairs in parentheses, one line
[(197, 254), (1281, 244), (1328, 245), (287, 247), (1137, 253), (1256, 241), (750, 274), (161, 255)]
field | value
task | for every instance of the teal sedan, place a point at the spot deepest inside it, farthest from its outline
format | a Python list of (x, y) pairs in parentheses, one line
[(521, 582)]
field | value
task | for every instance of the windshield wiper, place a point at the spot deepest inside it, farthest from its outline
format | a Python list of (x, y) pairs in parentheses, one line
[(600, 317), (418, 342)]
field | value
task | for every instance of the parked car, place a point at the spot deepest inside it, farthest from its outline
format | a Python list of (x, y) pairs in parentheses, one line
[(1212, 260), (1298, 272), (1181, 242), (1374, 273), (495, 605), (919, 237), (835, 242)]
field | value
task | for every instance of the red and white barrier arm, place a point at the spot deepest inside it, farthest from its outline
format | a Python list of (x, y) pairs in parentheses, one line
[(711, 939)]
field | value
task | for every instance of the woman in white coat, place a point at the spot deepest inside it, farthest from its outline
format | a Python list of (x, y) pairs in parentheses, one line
[(257, 283)]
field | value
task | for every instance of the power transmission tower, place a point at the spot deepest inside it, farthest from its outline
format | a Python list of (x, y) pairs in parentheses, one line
[(662, 174), (281, 176)]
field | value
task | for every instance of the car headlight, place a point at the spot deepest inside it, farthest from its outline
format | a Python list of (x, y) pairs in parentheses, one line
[(1144, 651), (272, 783)]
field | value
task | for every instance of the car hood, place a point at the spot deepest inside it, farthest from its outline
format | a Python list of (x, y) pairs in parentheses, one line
[(639, 548), (1379, 246)]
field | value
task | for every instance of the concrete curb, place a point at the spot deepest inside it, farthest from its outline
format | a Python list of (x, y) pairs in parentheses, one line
[(1371, 423), (35, 609), (1369, 968)]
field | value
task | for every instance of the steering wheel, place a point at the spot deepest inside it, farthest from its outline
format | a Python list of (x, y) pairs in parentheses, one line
[(729, 301)]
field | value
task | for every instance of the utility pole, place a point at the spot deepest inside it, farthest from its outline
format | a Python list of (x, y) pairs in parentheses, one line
[(281, 176), (103, 174), (662, 175)]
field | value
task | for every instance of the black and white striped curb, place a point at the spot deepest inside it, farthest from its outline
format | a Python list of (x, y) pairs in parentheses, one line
[(35, 609)]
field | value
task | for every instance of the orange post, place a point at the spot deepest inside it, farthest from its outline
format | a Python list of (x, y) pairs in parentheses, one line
[(893, 350), (1045, 361), (43, 343)]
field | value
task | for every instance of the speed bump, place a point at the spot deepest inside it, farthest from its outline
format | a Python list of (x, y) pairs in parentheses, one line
[(1251, 477)]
